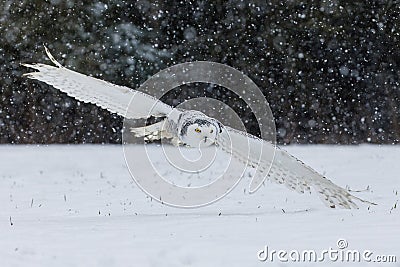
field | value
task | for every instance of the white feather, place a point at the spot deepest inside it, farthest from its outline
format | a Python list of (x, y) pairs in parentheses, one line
[(255, 152), (114, 98), (285, 168)]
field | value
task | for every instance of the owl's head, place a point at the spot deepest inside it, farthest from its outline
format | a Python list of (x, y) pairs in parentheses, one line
[(199, 131)]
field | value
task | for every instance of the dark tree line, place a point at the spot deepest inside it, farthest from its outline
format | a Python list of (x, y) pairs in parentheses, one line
[(329, 69)]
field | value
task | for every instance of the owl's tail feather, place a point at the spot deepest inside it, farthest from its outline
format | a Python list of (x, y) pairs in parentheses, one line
[(154, 132)]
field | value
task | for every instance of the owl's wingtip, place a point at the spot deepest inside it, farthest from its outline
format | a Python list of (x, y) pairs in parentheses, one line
[(50, 56)]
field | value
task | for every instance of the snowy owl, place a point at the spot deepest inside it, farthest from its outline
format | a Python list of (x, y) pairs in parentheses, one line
[(193, 128)]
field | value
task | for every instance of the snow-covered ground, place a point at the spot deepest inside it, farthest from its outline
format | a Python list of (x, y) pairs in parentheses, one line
[(78, 206)]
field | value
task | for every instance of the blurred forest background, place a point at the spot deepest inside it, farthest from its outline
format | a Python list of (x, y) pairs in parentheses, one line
[(329, 69)]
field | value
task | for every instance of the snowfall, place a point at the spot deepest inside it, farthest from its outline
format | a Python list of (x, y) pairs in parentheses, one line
[(77, 205)]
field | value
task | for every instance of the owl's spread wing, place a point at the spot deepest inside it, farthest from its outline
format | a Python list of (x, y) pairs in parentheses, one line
[(157, 131), (111, 97), (285, 168)]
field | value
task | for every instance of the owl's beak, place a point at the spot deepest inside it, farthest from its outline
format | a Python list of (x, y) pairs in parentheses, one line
[(205, 139)]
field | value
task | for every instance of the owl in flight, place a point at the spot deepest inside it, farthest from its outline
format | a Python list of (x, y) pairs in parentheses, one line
[(193, 128)]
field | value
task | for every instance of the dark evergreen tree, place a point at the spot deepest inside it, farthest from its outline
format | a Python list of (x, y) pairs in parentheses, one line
[(329, 69)]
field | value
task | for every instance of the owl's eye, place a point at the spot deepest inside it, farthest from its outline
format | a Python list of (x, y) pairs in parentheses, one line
[(211, 131), (197, 130)]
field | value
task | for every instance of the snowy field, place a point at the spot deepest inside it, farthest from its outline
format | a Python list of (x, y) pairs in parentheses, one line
[(78, 206)]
